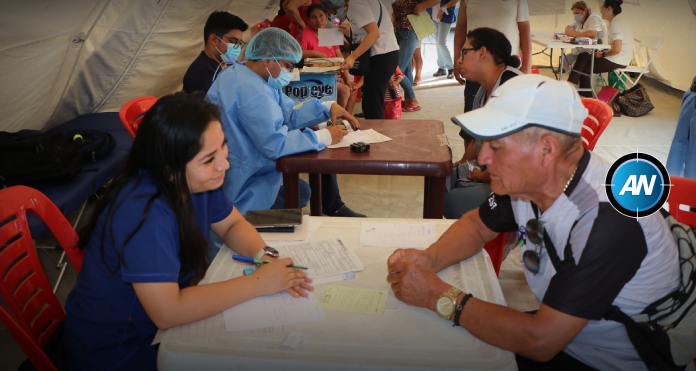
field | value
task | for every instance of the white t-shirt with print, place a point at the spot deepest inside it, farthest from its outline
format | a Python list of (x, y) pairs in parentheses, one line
[(363, 12), (619, 30), (502, 15)]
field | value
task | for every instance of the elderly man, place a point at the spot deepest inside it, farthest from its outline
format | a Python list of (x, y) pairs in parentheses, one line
[(549, 191)]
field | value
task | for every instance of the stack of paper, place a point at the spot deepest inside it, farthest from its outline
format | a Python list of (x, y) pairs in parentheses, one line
[(415, 235), (365, 136)]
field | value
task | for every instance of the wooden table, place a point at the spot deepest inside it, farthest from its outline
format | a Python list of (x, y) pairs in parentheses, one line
[(418, 148)]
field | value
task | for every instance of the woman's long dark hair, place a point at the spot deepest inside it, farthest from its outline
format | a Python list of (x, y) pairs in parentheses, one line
[(496, 43), (168, 138)]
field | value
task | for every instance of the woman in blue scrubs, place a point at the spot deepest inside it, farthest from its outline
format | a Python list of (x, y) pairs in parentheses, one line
[(146, 243)]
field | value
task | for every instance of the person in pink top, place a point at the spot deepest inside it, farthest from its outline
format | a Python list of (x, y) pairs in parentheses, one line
[(309, 41)]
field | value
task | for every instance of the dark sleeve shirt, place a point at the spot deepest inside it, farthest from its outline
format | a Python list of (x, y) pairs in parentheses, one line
[(199, 76)]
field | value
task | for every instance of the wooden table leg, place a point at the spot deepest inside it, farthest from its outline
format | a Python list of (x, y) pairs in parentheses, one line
[(434, 197), (291, 184), (315, 198)]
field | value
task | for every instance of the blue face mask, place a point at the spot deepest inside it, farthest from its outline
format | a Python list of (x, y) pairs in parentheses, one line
[(282, 80), (232, 53), (338, 3)]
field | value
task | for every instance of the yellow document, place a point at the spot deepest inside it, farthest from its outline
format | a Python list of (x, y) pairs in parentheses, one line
[(354, 300), (422, 24)]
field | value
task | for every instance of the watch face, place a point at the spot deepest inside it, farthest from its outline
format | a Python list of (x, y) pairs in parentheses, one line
[(271, 251), (445, 306)]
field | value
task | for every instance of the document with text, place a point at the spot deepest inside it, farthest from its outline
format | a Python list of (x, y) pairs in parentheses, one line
[(323, 257), (349, 299), (365, 136)]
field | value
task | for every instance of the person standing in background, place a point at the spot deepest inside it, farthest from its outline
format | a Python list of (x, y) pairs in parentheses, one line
[(379, 40), (511, 17), (443, 16)]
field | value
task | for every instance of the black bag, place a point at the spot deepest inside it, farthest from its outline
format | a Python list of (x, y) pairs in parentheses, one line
[(31, 157), (95, 143), (664, 333), (361, 67), (634, 102)]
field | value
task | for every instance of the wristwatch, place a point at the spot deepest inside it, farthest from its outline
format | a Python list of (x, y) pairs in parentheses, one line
[(267, 250), (447, 302)]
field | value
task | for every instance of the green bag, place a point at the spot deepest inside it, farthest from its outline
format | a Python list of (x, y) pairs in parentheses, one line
[(615, 82)]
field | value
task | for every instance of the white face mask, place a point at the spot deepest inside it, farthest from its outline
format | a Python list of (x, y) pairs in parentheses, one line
[(579, 17)]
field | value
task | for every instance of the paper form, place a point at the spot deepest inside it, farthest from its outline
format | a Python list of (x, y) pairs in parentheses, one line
[(323, 258), (332, 69), (354, 300), (422, 25), (366, 136), (272, 310), (398, 234), (330, 37)]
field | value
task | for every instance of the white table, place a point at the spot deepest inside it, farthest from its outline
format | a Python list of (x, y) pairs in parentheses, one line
[(404, 337), (546, 40)]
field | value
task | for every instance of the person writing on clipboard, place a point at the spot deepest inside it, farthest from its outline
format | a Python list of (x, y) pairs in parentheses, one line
[(263, 125)]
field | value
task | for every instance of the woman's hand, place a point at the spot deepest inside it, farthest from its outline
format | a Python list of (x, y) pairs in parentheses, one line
[(338, 112), (440, 14), (569, 30), (352, 85), (347, 63), (276, 276), (598, 54)]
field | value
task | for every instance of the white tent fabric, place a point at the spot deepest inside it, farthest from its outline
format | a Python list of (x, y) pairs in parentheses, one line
[(60, 59)]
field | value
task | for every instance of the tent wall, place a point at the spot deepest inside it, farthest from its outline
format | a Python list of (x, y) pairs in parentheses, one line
[(63, 58)]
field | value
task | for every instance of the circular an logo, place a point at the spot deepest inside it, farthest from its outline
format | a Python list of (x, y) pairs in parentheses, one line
[(637, 185)]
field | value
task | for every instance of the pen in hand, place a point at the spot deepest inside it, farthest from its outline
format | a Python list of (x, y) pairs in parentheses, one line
[(246, 259)]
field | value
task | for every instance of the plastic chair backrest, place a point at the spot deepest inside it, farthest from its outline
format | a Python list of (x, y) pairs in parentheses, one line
[(34, 312), (495, 249), (682, 192), (133, 111), (599, 116)]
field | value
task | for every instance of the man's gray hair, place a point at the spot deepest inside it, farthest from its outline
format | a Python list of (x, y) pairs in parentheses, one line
[(568, 142)]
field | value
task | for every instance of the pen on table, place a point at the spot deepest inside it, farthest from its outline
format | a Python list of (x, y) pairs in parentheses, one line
[(246, 259)]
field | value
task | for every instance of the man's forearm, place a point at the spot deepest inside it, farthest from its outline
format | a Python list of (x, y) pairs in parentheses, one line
[(452, 248), (460, 29)]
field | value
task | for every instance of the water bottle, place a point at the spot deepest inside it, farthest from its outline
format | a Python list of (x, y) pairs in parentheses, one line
[(600, 37)]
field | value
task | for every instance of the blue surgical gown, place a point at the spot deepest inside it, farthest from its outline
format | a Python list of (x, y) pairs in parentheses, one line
[(261, 126)]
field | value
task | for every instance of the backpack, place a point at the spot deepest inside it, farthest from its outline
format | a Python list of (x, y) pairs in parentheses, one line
[(664, 333), (30, 157), (95, 143)]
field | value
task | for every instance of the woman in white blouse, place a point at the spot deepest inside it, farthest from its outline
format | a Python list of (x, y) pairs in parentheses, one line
[(619, 37), (587, 24)]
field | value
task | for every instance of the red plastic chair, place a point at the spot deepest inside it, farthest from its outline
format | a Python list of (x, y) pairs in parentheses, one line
[(600, 114), (133, 111), (495, 249), (682, 192), (34, 312)]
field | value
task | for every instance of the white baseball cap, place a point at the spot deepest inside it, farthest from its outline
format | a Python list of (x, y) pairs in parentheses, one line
[(525, 101)]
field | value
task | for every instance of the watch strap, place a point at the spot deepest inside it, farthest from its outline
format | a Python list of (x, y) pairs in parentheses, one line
[(458, 310), (260, 254)]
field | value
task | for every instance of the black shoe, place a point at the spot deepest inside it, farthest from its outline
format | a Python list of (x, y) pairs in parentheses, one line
[(440, 72), (450, 74), (345, 212), (360, 115)]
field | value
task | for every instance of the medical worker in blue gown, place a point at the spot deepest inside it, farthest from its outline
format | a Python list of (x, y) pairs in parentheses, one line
[(261, 124)]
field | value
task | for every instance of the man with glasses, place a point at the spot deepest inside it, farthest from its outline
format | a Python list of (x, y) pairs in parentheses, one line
[(549, 191), (223, 43)]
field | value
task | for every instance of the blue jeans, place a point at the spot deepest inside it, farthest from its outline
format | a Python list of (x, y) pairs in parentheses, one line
[(408, 42), (444, 58)]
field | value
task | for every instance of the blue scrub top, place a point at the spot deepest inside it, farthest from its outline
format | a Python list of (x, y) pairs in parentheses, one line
[(261, 126), (106, 327)]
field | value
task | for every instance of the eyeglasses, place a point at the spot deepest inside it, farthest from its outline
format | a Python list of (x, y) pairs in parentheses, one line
[(462, 53), (288, 66), (231, 40), (535, 234)]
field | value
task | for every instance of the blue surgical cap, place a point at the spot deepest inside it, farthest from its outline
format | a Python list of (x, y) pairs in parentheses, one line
[(273, 44)]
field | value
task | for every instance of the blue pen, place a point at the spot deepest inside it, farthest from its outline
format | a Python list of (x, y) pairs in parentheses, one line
[(246, 259)]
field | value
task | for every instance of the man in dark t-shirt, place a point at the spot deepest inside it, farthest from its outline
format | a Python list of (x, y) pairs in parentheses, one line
[(223, 42), (580, 255)]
